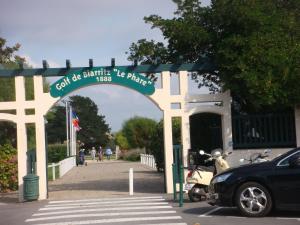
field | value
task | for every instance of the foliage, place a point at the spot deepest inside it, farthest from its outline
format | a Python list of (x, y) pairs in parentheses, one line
[(133, 155), (121, 141), (8, 168), (95, 130), (138, 132), (56, 126), (252, 46), (56, 152), (157, 143)]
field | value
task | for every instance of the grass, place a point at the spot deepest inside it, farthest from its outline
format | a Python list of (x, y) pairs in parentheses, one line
[(50, 175)]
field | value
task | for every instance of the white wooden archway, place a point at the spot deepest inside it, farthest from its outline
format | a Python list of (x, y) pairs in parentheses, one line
[(162, 98)]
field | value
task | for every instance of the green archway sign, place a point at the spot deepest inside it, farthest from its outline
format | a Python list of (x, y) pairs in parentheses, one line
[(102, 75)]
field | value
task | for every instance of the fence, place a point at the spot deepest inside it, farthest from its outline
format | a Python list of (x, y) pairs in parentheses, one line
[(57, 170), (264, 130), (148, 160)]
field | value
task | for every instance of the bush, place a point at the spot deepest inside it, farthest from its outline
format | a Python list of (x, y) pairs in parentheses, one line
[(8, 168), (57, 152), (130, 155)]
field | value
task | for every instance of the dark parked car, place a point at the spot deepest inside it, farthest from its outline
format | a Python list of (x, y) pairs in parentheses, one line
[(256, 189)]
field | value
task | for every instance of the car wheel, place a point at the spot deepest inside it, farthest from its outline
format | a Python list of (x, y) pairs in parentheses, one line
[(253, 200), (196, 194)]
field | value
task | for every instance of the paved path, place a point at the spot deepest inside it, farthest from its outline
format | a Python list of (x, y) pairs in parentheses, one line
[(106, 179)]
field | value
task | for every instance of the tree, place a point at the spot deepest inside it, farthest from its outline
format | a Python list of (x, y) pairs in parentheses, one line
[(138, 132), (157, 141), (121, 141), (56, 126), (94, 130), (253, 48)]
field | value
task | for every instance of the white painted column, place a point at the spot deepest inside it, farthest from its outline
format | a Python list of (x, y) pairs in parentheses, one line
[(165, 104), (40, 138), (185, 120), (21, 133), (227, 123), (168, 145), (297, 124), (186, 140)]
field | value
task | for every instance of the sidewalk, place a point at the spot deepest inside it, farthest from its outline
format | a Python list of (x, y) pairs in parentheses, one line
[(106, 179)]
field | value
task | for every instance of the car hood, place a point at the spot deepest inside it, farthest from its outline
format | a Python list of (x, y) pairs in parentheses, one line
[(248, 168)]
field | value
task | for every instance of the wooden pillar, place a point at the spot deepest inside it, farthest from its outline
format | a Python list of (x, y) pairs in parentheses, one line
[(21, 133)]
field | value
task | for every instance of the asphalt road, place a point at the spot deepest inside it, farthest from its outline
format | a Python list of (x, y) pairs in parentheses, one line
[(102, 190)]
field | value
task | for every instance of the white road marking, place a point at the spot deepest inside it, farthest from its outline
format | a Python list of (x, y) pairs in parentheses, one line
[(237, 217), (118, 220), (287, 218), (209, 212), (88, 215), (103, 209), (103, 199), (1, 203), (165, 224), (103, 202)]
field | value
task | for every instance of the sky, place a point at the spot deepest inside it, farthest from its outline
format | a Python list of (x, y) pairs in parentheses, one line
[(56, 30)]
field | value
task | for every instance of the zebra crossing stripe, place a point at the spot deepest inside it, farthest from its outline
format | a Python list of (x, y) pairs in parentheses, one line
[(165, 224), (102, 209), (128, 204), (88, 215), (104, 199), (103, 202), (115, 220)]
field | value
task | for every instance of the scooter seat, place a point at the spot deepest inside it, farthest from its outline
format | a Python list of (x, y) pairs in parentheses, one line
[(206, 168)]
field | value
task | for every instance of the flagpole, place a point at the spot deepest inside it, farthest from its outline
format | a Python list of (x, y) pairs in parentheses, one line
[(67, 128), (71, 130)]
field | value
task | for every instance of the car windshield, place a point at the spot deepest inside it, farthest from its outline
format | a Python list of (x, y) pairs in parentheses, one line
[(283, 155), (285, 161)]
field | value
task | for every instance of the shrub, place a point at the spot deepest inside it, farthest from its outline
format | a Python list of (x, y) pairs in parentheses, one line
[(130, 155), (8, 168), (57, 152)]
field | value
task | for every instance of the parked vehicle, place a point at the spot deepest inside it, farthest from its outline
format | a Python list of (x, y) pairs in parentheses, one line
[(255, 189), (258, 157), (198, 179)]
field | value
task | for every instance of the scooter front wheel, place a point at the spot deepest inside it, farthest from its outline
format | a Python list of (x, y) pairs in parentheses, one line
[(197, 194)]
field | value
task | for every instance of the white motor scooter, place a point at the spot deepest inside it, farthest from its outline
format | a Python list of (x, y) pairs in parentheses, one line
[(198, 179)]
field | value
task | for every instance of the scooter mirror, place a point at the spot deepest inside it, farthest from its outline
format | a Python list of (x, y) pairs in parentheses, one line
[(201, 152)]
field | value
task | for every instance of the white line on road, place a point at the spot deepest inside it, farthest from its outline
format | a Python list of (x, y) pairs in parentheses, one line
[(118, 220), (287, 218), (103, 209), (1, 203), (237, 217), (125, 204), (104, 202), (88, 215), (165, 224), (209, 212), (77, 207), (103, 199)]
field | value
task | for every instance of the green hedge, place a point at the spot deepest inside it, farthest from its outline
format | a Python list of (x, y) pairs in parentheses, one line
[(8, 168), (57, 152), (130, 155)]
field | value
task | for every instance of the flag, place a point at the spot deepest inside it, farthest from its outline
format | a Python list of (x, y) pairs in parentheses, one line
[(75, 121)]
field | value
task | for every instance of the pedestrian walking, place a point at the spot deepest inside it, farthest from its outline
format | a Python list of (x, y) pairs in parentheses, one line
[(93, 153), (100, 153), (108, 153)]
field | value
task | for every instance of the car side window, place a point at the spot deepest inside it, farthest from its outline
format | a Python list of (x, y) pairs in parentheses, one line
[(285, 161)]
